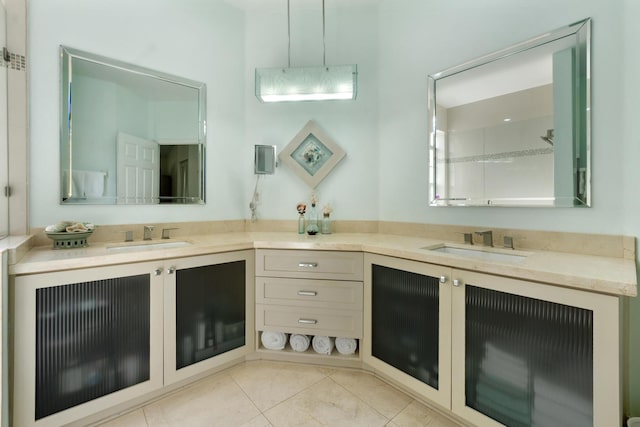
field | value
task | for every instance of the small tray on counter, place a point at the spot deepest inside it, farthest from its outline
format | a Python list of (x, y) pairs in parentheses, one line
[(66, 240)]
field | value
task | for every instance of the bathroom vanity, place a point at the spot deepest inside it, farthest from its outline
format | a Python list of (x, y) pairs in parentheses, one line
[(456, 330)]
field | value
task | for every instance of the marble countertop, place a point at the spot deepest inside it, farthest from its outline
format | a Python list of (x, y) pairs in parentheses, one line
[(608, 275)]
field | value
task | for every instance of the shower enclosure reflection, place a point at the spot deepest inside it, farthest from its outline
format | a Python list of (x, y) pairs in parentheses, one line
[(512, 128), (129, 135)]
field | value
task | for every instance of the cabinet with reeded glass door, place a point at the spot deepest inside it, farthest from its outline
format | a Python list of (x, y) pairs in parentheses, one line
[(509, 351), (209, 305), (533, 354), (407, 324), (85, 340)]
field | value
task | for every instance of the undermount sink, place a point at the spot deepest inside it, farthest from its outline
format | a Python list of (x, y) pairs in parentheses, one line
[(479, 253), (147, 246)]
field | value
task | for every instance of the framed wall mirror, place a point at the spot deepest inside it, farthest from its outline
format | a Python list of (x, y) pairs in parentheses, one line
[(512, 128), (128, 134)]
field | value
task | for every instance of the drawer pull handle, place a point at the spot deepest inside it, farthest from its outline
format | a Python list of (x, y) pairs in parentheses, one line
[(307, 321), (308, 264), (307, 293)]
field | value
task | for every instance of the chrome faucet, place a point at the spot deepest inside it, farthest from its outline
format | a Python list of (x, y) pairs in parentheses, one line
[(487, 237), (147, 232), (165, 232), (468, 238)]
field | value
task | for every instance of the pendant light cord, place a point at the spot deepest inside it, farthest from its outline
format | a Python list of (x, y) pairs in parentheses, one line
[(289, 29), (324, 42)]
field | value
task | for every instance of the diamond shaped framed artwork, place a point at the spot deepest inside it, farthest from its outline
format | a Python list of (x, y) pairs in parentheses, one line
[(311, 154)]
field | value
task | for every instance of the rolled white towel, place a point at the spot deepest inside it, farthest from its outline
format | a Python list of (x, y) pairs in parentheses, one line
[(346, 346), (273, 340), (299, 342), (322, 344)]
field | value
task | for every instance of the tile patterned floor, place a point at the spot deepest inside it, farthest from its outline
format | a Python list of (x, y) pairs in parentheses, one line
[(276, 394)]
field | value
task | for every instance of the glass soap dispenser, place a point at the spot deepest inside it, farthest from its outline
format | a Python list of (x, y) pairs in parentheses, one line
[(312, 226), (326, 224)]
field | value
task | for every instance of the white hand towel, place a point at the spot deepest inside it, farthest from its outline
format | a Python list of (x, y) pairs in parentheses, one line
[(94, 184), (273, 340), (299, 342), (346, 346), (322, 344), (77, 184)]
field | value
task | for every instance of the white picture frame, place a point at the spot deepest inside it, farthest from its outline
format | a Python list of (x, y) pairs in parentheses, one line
[(311, 154)]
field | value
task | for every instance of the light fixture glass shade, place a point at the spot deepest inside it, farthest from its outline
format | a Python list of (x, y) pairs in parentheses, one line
[(306, 83)]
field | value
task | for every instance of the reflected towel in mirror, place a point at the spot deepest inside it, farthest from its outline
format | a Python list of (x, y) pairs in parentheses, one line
[(86, 184)]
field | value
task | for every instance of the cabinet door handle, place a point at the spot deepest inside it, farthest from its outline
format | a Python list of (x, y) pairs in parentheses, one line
[(171, 270), (307, 264), (157, 272), (307, 321), (457, 282), (443, 279), (307, 293)]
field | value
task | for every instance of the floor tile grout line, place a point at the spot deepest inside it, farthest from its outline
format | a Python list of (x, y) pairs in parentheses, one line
[(361, 400), (282, 364), (411, 399), (244, 391), (325, 376)]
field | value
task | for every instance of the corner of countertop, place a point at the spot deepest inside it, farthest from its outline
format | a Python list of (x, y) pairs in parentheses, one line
[(16, 247)]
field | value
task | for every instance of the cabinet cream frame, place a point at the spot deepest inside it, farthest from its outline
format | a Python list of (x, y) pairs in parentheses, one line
[(607, 410), (442, 395), (171, 375), (24, 381)]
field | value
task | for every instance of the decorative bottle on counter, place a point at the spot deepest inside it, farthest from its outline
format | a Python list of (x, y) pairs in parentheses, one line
[(312, 226), (301, 227), (326, 224)]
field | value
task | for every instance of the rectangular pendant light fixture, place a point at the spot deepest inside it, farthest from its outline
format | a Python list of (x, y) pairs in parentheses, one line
[(320, 83)]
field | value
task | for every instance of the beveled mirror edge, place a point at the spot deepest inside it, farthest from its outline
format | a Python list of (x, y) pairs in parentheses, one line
[(126, 66), (580, 29), (67, 54), (539, 40)]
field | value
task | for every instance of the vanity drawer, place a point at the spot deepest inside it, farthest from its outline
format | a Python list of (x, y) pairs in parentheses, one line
[(310, 264), (309, 293), (309, 320)]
